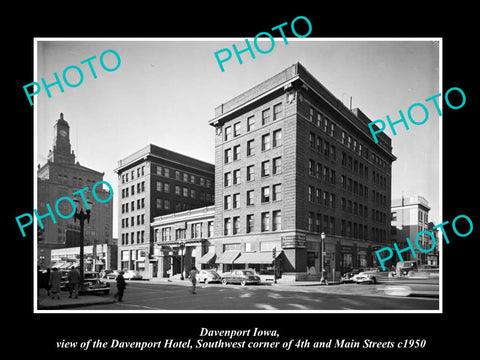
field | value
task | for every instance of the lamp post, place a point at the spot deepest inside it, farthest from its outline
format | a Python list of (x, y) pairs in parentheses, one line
[(322, 257), (182, 250), (81, 217)]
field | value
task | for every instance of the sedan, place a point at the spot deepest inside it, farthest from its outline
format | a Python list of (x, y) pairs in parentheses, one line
[(208, 276), (242, 277), (132, 275)]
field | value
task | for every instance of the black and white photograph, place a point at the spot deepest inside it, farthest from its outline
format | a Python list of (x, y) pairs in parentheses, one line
[(243, 184)]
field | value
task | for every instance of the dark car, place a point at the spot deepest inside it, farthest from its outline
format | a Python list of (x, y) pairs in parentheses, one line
[(242, 277), (92, 284)]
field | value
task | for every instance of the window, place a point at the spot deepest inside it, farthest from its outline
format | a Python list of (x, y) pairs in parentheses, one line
[(250, 147), (236, 224), (236, 201), (185, 177), (277, 220), (227, 228), (166, 204), (266, 116), (210, 229), (277, 111), (311, 139), (166, 172), (311, 167), (159, 186), (228, 156), (266, 168), (185, 192), (196, 230), (178, 175), (310, 221), (236, 129), (277, 138), (178, 190), (228, 179), (311, 193), (159, 204), (265, 221), (250, 173), (250, 197), (311, 115), (236, 176), (250, 223), (250, 123), (227, 202), (277, 192), (265, 194), (266, 142), (277, 166), (236, 152), (228, 133)]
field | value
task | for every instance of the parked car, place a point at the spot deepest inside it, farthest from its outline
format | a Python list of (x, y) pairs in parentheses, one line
[(242, 277), (92, 284), (267, 275), (112, 275), (348, 276), (365, 277), (208, 276), (132, 275)]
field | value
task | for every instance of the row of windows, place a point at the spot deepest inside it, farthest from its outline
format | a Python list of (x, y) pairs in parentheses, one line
[(197, 231), (140, 188), (140, 172), (329, 127), (140, 238), (268, 193), (270, 221), (140, 221), (318, 223), (266, 117), (267, 168), (268, 141), (184, 191), (140, 205), (183, 176)]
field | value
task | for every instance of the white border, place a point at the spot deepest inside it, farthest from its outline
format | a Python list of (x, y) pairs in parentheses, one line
[(177, 39)]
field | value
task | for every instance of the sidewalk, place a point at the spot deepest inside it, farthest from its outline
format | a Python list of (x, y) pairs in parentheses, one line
[(47, 303)]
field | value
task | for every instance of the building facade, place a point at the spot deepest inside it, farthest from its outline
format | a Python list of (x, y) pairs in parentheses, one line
[(292, 162), (62, 176), (182, 240), (97, 257), (409, 216), (153, 182)]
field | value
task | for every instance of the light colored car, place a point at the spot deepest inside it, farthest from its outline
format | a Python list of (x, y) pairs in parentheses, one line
[(365, 277), (242, 277), (112, 275), (132, 275), (208, 276)]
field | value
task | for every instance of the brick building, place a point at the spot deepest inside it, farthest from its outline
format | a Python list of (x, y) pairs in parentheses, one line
[(291, 162), (152, 182), (62, 176)]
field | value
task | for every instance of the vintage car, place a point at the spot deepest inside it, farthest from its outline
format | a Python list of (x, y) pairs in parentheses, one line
[(132, 275), (208, 276), (242, 277), (92, 284)]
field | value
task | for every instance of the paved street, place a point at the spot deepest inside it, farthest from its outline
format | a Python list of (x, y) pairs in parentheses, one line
[(143, 295)]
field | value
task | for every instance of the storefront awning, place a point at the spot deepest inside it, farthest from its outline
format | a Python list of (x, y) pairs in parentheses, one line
[(256, 258), (228, 257), (205, 259)]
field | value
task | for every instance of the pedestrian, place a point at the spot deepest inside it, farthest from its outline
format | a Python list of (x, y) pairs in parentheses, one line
[(73, 281), (121, 284), (192, 275), (54, 282)]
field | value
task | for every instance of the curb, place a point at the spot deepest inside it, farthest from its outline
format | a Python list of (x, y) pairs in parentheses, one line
[(73, 305)]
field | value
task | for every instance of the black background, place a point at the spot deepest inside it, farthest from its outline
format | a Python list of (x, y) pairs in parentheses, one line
[(39, 332)]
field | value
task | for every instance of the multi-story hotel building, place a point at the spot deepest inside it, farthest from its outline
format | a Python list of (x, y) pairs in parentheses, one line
[(152, 182), (62, 176), (291, 162)]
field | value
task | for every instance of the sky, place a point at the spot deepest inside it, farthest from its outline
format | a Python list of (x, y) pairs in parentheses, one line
[(165, 91)]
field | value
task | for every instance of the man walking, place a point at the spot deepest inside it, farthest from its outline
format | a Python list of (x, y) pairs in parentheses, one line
[(54, 283), (73, 281), (121, 284), (192, 275)]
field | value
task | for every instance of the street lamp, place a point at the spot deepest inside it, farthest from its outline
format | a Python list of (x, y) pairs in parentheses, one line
[(322, 251), (81, 217), (182, 250)]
